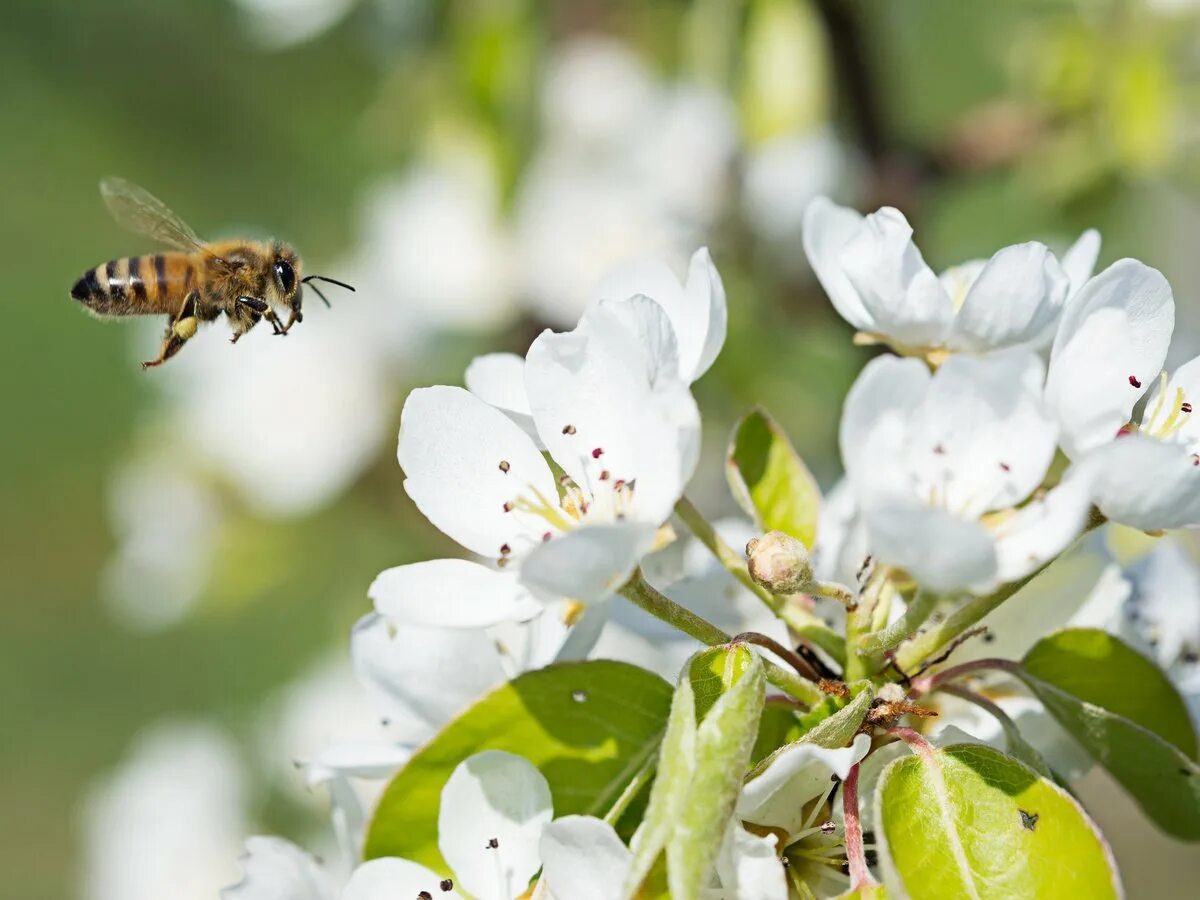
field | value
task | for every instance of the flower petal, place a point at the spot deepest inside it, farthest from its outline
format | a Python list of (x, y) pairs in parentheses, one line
[(583, 859), (611, 408), (874, 423), (1145, 483), (750, 867), (419, 678), (499, 380), (274, 868), (942, 552), (1044, 528), (827, 228), (1109, 348), (796, 775), (1015, 301), (959, 447), (463, 461), (1080, 259), (494, 797), (1169, 412), (389, 878), (900, 292), (451, 593), (696, 310), (587, 564), (354, 759)]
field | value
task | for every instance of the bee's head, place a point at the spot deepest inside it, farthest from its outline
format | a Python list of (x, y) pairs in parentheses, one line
[(285, 285)]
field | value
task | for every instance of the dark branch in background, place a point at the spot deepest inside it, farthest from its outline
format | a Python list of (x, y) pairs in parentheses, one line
[(897, 171)]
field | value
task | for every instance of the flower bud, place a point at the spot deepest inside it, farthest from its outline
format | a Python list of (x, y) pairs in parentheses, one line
[(780, 563)]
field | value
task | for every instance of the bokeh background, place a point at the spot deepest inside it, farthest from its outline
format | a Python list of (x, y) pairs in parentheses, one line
[(184, 550)]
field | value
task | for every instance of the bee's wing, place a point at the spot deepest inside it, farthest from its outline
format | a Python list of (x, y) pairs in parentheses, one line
[(139, 210)]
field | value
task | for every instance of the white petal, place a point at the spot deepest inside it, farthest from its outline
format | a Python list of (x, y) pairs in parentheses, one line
[(696, 311), (585, 632), (827, 228), (494, 796), (798, 774), (1015, 300), (959, 448), (607, 397), (418, 678), (749, 867), (1110, 346), (587, 564), (1145, 483), (275, 869), (942, 552), (390, 878), (452, 446), (1044, 528), (355, 759), (499, 379), (1080, 259), (583, 859), (451, 593), (902, 294), (874, 422)]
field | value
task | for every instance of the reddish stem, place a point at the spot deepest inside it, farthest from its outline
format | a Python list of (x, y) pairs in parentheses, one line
[(927, 683), (920, 746), (860, 875)]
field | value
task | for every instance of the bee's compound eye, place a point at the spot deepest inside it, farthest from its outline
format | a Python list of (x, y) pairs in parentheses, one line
[(286, 276)]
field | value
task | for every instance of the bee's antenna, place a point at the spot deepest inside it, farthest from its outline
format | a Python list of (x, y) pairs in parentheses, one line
[(324, 299), (341, 284)]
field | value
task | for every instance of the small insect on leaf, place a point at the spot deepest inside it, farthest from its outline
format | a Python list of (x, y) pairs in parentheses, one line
[(1028, 820)]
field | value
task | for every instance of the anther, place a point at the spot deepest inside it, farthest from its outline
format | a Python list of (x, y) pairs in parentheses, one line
[(546, 536), (504, 466), (939, 450), (424, 895), (597, 453), (508, 507), (564, 480), (446, 885), (1185, 407), (1006, 467), (505, 549), (568, 429), (604, 475), (619, 484), (502, 561), (828, 827), (493, 843), (1134, 381)]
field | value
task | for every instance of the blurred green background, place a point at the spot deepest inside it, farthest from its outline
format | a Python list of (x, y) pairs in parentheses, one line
[(987, 123)]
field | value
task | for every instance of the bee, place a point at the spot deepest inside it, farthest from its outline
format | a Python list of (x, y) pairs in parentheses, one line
[(245, 280)]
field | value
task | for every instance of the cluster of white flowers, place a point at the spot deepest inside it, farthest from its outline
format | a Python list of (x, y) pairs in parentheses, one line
[(973, 458)]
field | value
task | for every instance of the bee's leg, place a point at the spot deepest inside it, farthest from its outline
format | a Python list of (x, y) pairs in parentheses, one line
[(249, 311), (180, 329), (293, 319)]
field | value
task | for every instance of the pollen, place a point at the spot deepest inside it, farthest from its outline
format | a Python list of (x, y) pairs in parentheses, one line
[(568, 429), (508, 507), (504, 466)]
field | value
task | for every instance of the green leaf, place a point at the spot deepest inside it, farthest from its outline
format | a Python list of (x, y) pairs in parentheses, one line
[(676, 763), (779, 725), (770, 481), (866, 892), (724, 741), (968, 821), (714, 671), (587, 726), (839, 729), (1095, 667)]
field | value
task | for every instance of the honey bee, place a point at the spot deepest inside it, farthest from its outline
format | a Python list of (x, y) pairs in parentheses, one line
[(245, 280)]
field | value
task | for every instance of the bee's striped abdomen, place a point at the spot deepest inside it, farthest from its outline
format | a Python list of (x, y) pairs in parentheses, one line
[(136, 285)]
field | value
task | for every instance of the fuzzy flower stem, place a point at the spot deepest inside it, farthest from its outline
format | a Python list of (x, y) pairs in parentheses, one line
[(793, 659), (806, 626), (641, 594), (878, 642), (860, 876)]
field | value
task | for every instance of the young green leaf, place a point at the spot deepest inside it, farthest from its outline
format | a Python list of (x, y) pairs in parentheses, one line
[(676, 764), (1096, 667), (770, 481), (1125, 713), (969, 821), (588, 727), (838, 729), (724, 740)]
